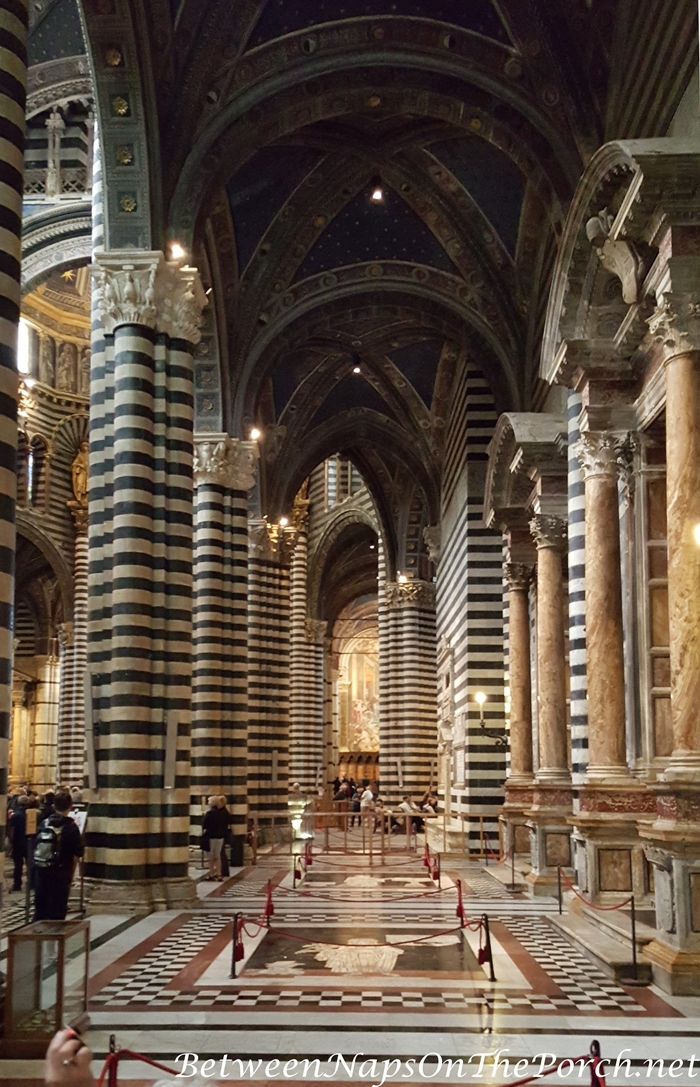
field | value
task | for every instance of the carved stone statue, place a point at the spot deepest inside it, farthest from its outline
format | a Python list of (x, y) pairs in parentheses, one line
[(84, 372), (79, 472), (65, 367), (46, 368)]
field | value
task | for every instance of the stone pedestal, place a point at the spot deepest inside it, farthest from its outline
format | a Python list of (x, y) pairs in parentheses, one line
[(550, 838)]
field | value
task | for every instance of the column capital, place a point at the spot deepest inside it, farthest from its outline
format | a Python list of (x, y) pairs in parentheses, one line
[(141, 287), (316, 631), (675, 324), (410, 593), (227, 462), (548, 532), (517, 575), (603, 455)]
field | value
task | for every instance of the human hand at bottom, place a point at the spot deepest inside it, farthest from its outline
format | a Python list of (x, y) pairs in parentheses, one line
[(67, 1062)]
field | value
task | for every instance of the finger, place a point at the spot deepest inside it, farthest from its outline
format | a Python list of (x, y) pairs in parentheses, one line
[(57, 1041), (84, 1057)]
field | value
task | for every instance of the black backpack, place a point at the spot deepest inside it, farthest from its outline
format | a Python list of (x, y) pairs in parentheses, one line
[(47, 850)]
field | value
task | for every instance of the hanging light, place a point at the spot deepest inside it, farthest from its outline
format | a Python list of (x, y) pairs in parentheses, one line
[(376, 191), (356, 370)]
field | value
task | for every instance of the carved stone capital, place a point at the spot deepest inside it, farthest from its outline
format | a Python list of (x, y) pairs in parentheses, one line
[(675, 324), (548, 531), (517, 575), (270, 542), (135, 287), (227, 462), (431, 536), (601, 455), (316, 631), (401, 594)]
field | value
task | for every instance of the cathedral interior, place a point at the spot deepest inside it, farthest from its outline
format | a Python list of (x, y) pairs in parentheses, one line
[(350, 428)]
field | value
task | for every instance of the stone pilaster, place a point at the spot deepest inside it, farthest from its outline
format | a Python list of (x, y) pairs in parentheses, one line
[(224, 472), (140, 580), (550, 844)]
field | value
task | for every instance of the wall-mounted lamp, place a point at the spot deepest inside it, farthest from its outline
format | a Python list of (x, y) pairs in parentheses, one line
[(284, 521), (177, 251), (254, 434)]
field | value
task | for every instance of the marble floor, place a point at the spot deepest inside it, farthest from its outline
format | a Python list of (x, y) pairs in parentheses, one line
[(369, 962)]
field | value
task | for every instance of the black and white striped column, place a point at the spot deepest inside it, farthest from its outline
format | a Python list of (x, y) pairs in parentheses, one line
[(268, 667), (409, 743), (306, 678), (140, 583), (13, 83), (578, 690), (224, 472), (71, 721)]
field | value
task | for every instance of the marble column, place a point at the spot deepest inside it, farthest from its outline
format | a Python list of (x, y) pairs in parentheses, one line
[(550, 835), (224, 472), (599, 455), (673, 840), (550, 537), (518, 786), (45, 732), (71, 728)]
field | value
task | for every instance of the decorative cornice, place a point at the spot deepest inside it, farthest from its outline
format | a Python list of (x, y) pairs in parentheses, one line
[(548, 531), (517, 575), (135, 287), (410, 593), (226, 462), (675, 324)]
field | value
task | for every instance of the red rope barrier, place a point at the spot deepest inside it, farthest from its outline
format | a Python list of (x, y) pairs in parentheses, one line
[(330, 943), (593, 906), (329, 897), (113, 1060)]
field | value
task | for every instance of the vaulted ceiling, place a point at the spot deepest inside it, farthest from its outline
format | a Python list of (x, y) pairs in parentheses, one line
[(276, 121)]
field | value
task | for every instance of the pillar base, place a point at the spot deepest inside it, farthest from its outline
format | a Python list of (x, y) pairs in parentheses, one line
[(550, 837), (608, 856), (135, 896), (676, 972), (514, 814)]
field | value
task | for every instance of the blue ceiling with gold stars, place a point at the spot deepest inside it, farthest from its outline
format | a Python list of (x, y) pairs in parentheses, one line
[(260, 188), (418, 362), (286, 16), (58, 34), (364, 230), (352, 391), (490, 177)]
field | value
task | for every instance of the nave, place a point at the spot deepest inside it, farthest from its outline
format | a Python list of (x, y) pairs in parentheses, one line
[(367, 960)]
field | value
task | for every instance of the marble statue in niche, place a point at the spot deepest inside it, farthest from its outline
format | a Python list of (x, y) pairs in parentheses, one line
[(84, 372), (65, 367), (46, 367), (79, 472)]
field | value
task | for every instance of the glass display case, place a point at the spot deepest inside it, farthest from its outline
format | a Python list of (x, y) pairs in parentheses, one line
[(47, 978)]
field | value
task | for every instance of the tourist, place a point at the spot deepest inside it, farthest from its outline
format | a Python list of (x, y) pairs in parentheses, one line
[(58, 847), (68, 1059), (408, 806), (214, 829), (355, 806), (47, 807), (19, 840), (225, 868)]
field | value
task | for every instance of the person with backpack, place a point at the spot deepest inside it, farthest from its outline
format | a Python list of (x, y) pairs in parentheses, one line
[(58, 847)]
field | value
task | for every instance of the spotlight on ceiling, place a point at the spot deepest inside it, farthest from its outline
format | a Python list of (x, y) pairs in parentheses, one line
[(377, 191), (254, 434), (371, 547), (177, 252), (356, 370)]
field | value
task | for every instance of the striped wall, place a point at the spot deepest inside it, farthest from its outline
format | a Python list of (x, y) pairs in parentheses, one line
[(13, 84), (470, 603), (268, 678), (219, 646), (577, 599)]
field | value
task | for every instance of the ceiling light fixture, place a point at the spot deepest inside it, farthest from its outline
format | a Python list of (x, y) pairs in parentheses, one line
[(254, 434), (371, 547), (356, 370), (377, 191)]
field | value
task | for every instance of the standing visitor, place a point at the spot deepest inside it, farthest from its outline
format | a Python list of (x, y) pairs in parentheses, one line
[(214, 829), (58, 847)]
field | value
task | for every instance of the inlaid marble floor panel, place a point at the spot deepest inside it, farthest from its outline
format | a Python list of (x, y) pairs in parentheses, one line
[(360, 959)]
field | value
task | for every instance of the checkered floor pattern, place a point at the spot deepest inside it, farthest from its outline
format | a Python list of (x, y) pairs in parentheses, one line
[(146, 980), (587, 988)]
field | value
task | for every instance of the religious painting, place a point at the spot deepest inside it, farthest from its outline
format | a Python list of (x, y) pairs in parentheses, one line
[(358, 689)]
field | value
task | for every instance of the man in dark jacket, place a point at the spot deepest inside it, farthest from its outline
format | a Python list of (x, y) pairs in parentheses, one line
[(19, 840), (53, 881)]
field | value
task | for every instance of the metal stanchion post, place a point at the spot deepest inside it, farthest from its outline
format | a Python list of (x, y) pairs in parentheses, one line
[(114, 1067), (326, 837), (345, 835), (487, 930), (633, 918), (512, 863), (559, 896), (464, 840), (233, 948), (444, 833), (381, 840), (371, 838)]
